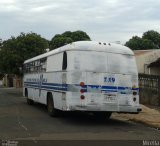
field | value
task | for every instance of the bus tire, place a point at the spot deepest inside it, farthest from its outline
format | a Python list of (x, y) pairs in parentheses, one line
[(50, 106), (102, 115), (29, 101)]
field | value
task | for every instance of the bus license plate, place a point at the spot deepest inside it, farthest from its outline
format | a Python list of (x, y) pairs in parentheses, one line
[(109, 98)]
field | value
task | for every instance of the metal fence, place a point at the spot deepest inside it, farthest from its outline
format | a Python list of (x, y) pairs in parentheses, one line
[(149, 89)]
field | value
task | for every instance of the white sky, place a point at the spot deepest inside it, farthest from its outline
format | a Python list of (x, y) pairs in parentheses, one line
[(102, 20)]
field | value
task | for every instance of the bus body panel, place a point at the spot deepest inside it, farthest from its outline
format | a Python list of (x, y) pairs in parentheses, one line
[(110, 80), (99, 95)]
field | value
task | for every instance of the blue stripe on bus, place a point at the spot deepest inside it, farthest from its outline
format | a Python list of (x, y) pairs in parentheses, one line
[(44, 87), (109, 87), (64, 87), (109, 90), (98, 86), (54, 88), (53, 84), (135, 89), (94, 86), (121, 88)]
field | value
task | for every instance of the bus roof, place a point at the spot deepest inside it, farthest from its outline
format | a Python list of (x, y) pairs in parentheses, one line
[(87, 46)]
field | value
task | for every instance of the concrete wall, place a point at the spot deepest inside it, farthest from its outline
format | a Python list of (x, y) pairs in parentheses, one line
[(12, 81)]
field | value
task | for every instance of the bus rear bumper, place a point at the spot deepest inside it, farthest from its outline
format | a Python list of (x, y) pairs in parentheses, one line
[(109, 108), (129, 109)]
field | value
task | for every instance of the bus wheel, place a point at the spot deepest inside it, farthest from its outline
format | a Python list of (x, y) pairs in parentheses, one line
[(29, 101), (50, 106), (102, 115)]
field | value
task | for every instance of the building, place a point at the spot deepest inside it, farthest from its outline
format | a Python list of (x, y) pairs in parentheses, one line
[(11, 80), (148, 61), (155, 67)]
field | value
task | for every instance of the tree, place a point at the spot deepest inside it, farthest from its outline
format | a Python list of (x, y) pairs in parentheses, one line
[(149, 40), (152, 36), (68, 37), (59, 41), (137, 43), (80, 36), (17, 49)]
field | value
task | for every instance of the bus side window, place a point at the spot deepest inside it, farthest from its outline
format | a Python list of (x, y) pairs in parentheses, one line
[(64, 63), (43, 64)]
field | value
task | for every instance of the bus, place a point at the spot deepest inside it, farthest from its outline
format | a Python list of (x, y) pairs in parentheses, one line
[(87, 76)]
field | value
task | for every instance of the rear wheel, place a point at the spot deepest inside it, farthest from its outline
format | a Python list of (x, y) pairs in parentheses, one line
[(50, 106), (29, 101)]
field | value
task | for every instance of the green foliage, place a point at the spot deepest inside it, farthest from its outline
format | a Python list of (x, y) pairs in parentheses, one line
[(14, 51), (17, 49), (149, 40), (152, 36), (68, 37), (59, 41)]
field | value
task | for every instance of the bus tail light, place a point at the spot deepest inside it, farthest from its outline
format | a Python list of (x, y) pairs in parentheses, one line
[(82, 84), (82, 90), (134, 99), (82, 97)]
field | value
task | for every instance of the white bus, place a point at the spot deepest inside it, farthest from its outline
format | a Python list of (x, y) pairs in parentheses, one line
[(84, 76)]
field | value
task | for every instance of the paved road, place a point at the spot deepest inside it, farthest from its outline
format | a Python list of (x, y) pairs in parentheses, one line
[(18, 120)]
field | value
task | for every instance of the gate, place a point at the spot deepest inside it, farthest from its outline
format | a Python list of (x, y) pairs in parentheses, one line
[(149, 89)]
